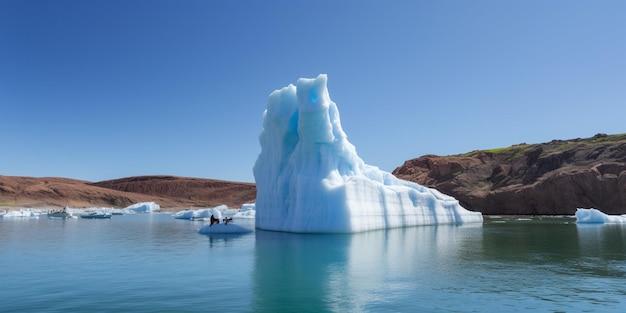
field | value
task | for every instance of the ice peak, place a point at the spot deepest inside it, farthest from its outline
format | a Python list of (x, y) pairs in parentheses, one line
[(313, 93)]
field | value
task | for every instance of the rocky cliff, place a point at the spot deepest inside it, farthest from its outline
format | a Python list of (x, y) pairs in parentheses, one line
[(548, 178)]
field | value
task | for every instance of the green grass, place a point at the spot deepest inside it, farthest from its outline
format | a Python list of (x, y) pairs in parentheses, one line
[(502, 150), (562, 145), (514, 150), (608, 138)]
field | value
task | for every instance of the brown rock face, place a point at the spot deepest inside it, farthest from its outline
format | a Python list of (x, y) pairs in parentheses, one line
[(550, 178), (168, 191)]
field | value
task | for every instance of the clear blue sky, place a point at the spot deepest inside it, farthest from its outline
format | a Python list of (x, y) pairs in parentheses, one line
[(104, 89)]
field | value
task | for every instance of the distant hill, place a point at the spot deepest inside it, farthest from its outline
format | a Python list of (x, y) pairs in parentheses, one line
[(548, 178), (169, 191), (192, 191)]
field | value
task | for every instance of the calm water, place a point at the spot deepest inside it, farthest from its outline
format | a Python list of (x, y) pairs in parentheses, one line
[(153, 263)]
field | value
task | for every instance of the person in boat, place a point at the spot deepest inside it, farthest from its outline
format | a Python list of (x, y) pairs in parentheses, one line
[(214, 220), (227, 220)]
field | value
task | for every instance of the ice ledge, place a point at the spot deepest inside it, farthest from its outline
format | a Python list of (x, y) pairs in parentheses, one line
[(595, 216)]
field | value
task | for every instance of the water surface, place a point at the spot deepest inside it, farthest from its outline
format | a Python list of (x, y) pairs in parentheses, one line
[(153, 263)]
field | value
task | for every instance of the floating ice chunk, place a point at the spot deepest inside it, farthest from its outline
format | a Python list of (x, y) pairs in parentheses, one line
[(595, 216), (247, 207), (22, 213), (247, 210), (217, 211), (201, 214), (245, 214), (224, 229), (183, 215), (144, 207), (80, 211), (116, 211), (206, 213), (310, 179)]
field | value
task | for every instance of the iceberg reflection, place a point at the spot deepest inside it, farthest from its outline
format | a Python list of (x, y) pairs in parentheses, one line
[(344, 272)]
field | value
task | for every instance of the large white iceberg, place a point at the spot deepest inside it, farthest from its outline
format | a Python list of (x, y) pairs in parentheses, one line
[(595, 216), (309, 177), (144, 207)]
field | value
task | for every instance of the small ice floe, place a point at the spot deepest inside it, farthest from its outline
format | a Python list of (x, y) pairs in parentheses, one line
[(229, 228), (201, 214), (115, 211), (96, 214), (245, 214), (144, 207), (183, 215), (222, 221), (22, 213), (247, 207), (595, 216), (103, 210), (100, 212), (61, 214), (247, 210)]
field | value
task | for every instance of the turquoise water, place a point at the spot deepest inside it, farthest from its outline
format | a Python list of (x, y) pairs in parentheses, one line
[(153, 263)]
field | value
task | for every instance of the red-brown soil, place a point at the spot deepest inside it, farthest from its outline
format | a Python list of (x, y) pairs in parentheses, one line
[(169, 191)]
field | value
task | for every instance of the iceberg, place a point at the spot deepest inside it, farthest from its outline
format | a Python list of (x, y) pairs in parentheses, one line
[(310, 178), (595, 216), (143, 207)]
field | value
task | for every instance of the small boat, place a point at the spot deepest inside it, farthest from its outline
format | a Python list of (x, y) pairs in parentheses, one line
[(96, 215), (62, 214)]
